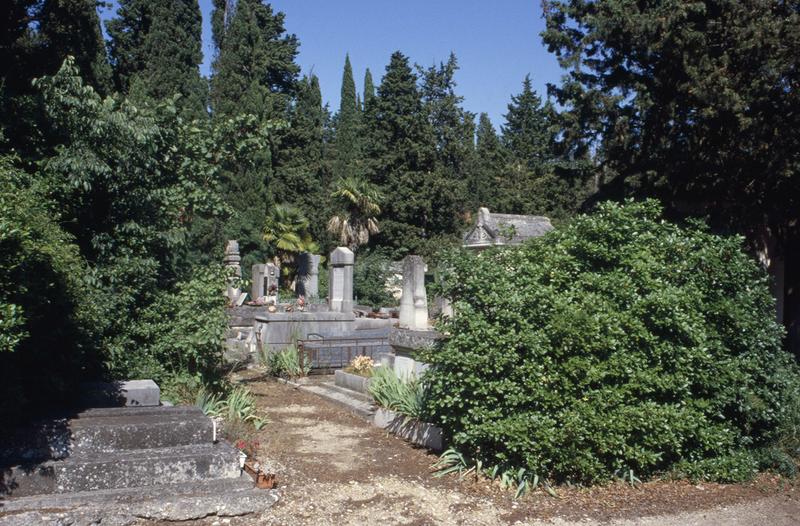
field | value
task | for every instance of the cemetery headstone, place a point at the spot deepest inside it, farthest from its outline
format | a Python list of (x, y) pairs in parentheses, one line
[(308, 275), (340, 284), (257, 274), (414, 301)]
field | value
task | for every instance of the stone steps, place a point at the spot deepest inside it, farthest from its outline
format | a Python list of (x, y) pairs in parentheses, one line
[(105, 430), (169, 427), (357, 403), (124, 469), (169, 502)]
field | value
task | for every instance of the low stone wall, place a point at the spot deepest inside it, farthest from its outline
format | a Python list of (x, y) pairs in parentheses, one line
[(416, 432), (354, 382), (277, 330)]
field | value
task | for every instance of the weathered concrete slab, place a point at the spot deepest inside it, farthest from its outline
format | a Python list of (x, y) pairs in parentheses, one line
[(353, 382), (131, 393), (416, 432), (166, 428), (175, 502), (124, 469), (279, 329)]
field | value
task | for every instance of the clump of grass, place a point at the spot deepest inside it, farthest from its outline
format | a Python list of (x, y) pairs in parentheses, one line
[(286, 364), (406, 396), (238, 407)]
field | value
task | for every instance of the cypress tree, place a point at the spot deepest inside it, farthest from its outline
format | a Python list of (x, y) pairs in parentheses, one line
[(454, 127), (402, 157), (255, 70), (527, 131), (539, 176), (301, 178), (19, 65), (72, 27), (489, 164), (369, 88), (254, 73), (156, 52), (347, 145)]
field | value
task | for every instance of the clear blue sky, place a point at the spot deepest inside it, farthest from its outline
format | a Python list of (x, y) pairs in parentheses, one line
[(497, 43)]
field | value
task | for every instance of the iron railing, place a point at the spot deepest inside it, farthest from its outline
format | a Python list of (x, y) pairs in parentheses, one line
[(327, 353)]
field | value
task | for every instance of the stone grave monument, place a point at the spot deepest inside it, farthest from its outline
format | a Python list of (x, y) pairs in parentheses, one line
[(308, 275), (414, 332), (232, 262), (265, 283), (414, 301), (340, 284)]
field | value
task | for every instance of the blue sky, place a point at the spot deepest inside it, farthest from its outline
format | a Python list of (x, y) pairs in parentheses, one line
[(497, 43)]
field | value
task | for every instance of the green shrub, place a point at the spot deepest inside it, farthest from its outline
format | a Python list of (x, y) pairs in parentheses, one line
[(371, 274), (407, 396), (48, 315), (619, 342), (180, 333)]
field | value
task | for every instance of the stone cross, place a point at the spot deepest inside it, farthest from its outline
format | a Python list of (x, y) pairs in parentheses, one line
[(340, 283), (414, 302), (308, 275), (232, 262)]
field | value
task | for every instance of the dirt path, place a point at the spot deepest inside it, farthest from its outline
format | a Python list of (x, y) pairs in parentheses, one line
[(336, 469)]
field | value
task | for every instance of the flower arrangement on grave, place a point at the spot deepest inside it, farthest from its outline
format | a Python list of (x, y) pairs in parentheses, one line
[(362, 365)]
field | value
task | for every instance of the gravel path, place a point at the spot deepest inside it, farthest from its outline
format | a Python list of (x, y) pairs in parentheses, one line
[(335, 469)]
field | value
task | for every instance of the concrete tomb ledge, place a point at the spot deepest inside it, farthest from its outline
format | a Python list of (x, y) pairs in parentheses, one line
[(272, 317), (354, 382), (416, 432), (406, 341)]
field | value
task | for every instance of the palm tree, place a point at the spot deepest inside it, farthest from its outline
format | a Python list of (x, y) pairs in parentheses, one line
[(287, 231), (358, 221)]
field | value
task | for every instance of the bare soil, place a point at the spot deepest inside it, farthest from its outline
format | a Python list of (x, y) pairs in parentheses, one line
[(336, 469)]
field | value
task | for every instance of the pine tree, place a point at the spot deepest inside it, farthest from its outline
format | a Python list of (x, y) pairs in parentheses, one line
[(156, 52), (72, 27), (369, 88), (347, 144), (402, 155)]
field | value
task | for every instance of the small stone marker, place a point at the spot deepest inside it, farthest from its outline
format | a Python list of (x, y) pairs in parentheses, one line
[(404, 367), (242, 297), (414, 302), (257, 273), (232, 262), (340, 286)]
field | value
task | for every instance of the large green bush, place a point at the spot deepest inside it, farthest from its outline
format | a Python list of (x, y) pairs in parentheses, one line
[(618, 342), (47, 314), (99, 270)]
